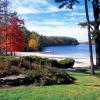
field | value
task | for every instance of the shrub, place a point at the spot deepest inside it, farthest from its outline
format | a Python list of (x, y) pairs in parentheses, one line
[(44, 61), (36, 71), (39, 60), (1, 54), (29, 63), (66, 63), (6, 69), (5, 57), (47, 76), (54, 63), (14, 62), (28, 58)]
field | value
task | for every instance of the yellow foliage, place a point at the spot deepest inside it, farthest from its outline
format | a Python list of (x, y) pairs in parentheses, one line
[(33, 41), (33, 36)]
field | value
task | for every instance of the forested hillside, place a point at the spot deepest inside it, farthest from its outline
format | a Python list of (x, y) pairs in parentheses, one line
[(56, 40), (35, 42)]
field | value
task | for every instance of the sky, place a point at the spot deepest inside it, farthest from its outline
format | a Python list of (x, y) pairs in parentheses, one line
[(45, 17)]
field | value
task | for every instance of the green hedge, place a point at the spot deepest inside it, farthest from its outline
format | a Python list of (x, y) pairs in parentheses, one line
[(66, 63)]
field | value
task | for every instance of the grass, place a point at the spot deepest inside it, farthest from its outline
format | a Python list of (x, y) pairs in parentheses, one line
[(86, 87)]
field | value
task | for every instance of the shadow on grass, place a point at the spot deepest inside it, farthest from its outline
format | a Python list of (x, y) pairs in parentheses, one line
[(80, 72), (85, 72)]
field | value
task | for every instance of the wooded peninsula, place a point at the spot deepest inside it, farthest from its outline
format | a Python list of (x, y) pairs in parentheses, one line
[(36, 42)]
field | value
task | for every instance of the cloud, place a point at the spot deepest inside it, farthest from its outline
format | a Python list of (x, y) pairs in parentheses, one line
[(78, 14), (23, 2), (76, 32), (46, 18), (72, 19), (49, 22), (25, 10), (39, 1), (35, 7), (56, 9), (81, 7), (75, 14)]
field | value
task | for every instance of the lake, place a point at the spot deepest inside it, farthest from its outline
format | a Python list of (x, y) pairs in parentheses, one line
[(81, 50)]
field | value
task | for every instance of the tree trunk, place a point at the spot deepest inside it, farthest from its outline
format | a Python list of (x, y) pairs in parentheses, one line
[(96, 27), (5, 22), (97, 43), (89, 38)]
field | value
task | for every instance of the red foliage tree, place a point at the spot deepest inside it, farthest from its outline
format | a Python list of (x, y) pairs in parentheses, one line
[(11, 35)]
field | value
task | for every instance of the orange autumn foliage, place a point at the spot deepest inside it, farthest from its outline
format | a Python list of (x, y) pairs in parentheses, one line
[(11, 35)]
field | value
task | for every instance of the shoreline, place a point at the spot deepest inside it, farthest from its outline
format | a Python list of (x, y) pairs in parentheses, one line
[(79, 61)]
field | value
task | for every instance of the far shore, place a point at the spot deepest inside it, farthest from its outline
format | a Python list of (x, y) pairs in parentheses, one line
[(79, 61)]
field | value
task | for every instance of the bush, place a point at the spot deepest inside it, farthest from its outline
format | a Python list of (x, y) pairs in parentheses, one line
[(54, 63), (5, 57), (28, 58), (40, 60), (1, 54), (29, 63), (66, 63), (37, 70), (47, 76), (6, 69)]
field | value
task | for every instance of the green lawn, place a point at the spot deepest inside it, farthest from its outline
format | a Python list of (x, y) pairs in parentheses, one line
[(87, 87)]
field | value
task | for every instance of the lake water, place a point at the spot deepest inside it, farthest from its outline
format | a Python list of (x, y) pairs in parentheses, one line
[(81, 50)]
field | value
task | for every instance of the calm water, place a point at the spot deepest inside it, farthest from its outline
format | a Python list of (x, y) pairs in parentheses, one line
[(81, 50)]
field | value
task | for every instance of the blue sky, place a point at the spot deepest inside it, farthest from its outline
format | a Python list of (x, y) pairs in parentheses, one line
[(44, 17)]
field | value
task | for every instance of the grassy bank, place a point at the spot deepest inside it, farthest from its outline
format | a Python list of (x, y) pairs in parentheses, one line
[(87, 87)]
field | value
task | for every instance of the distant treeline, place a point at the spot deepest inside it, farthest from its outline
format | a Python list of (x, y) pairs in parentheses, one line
[(35, 42), (56, 40)]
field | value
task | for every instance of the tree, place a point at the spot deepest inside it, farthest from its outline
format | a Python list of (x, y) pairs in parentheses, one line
[(96, 10), (33, 41), (14, 38), (96, 13), (95, 29), (89, 37), (4, 14), (11, 33), (68, 3)]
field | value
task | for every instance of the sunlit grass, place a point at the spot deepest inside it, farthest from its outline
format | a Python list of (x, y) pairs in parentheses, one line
[(86, 87)]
